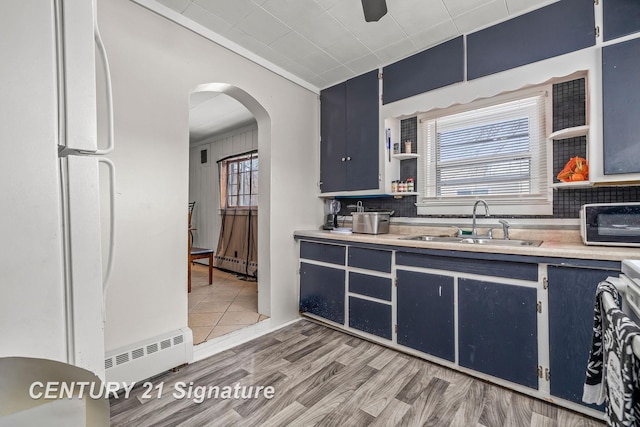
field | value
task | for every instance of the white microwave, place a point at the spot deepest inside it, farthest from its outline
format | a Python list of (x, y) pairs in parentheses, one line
[(610, 224)]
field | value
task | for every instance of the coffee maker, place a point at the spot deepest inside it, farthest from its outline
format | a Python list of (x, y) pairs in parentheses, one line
[(331, 209)]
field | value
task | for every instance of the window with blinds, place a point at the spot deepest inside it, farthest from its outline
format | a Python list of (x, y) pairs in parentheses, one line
[(497, 152)]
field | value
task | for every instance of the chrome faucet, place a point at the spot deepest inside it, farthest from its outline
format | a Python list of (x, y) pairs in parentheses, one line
[(474, 231), (505, 228)]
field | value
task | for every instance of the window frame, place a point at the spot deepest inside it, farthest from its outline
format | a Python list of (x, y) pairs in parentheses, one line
[(535, 204), (224, 182)]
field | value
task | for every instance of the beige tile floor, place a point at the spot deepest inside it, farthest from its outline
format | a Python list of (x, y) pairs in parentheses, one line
[(226, 305)]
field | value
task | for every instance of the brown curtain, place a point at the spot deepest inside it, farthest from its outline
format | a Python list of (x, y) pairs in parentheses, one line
[(238, 243)]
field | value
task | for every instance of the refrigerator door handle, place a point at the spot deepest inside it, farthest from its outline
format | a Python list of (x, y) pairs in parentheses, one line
[(112, 223), (109, 93)]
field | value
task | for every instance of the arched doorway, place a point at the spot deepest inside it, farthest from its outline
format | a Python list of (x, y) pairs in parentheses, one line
[(260, 126)]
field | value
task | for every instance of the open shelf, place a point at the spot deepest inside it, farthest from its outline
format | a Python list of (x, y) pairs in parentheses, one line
[(405, 156), (405, 193), (570, 132), (574, 184)]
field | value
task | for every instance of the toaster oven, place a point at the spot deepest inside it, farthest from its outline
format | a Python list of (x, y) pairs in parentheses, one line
[(610, 224)]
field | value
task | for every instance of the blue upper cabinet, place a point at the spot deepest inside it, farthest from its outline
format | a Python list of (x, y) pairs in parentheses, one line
[(621, 17), (349, 147), (363, 136), (439, 66), (621, 107), (333, 131), (559, 28)]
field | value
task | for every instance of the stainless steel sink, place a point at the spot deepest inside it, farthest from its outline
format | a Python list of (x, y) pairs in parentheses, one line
[(500, 242), (475, 240), (434, 238)]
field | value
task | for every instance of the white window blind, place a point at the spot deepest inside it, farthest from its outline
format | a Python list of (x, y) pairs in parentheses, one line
[(495, 152)]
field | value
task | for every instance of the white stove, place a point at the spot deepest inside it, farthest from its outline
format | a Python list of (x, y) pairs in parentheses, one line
[(631, 268), (629, 285)]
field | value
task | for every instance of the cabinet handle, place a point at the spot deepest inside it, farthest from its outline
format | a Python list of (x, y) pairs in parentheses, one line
[(343, 159), (348, 158)]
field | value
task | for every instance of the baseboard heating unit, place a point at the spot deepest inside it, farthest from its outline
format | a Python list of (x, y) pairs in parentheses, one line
[(150, 357)]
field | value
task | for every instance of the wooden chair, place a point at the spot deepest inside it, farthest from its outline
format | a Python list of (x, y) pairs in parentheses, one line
[(192, 206), (197, 253)]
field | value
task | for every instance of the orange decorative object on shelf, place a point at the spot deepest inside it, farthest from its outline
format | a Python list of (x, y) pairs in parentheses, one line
[(576, 169)]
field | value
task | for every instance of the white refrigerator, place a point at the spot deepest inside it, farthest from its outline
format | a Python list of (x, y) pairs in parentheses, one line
[(51, 263)]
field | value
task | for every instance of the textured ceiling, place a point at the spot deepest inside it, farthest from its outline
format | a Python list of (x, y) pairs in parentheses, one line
[(324, 42), (328, 41)]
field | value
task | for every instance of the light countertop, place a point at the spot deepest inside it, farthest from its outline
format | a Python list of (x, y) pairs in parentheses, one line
[(555, 243)]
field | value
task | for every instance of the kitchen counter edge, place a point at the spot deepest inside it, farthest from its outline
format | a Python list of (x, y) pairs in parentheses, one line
[(548, 248)]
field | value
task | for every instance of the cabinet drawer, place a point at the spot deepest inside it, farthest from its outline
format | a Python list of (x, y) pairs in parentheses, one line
[(371, 286), (333, 254), (508, 269), (370, 259), (370, 316)]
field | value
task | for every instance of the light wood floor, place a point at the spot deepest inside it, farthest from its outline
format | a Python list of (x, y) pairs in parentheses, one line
[(327, 378)]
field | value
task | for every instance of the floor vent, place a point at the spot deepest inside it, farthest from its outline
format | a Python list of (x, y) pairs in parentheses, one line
[(149, 358)]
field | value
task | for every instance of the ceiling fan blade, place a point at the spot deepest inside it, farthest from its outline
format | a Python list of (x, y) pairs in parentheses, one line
[(374, 9)]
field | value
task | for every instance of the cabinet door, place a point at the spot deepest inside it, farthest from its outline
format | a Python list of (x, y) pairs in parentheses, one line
[(621, 107), (333, 128), (425, 313), (568, 27), (498, 330), (621, 17), (322, 291), (363, 133), (370, 316), (571, 302), (430, 69)]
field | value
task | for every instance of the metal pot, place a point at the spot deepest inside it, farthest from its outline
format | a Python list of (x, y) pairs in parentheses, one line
[(371, 222)]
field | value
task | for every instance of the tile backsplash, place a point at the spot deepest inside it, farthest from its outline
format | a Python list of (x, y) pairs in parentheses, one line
[(569, 104), (569, 110)]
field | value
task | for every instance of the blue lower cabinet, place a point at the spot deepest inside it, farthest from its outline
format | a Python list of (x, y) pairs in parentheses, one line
[(425, 313), (322, 291), (370, 316), (571, 302), (498, 332)]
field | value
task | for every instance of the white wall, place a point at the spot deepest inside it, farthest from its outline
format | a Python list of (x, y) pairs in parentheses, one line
[(155, 64), (204, 180)]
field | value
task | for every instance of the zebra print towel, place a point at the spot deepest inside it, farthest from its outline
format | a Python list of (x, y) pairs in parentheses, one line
[(612, 358)]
